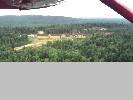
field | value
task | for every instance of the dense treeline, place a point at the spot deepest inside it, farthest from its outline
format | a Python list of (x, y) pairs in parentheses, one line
[(67, 28), (37, 20), (96, 47)]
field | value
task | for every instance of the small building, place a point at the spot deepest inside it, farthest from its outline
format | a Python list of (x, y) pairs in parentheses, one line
[(99, 28), (103, 29), (49, 36), (108, 33), (62, 36), (40, 33), (31, 35)]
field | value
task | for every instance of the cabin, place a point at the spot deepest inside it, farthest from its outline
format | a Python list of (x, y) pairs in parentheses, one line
[(108, 33), (49, 36), (99, 28), (103, 29), (55, 36), (31, 36), (62, 36), (40, 35)]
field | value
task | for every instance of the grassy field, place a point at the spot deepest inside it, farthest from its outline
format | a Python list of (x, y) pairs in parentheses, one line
[(42, 40), (36, 42)]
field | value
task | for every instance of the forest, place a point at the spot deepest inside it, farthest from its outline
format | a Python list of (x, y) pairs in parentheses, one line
[(115, 44), (39, 20)]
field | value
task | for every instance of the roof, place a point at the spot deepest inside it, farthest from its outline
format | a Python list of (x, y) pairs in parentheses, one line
[(40, 32)]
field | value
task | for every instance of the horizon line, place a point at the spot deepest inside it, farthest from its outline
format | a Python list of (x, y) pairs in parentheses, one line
[(68, 16)]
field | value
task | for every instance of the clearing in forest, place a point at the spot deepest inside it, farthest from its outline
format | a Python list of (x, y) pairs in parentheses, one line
[(35, 42), (39, 41)]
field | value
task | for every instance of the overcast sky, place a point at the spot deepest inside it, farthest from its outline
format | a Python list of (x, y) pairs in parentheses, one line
[(73, 8)]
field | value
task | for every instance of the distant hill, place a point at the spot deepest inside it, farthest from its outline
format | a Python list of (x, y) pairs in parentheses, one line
[(35, 20)]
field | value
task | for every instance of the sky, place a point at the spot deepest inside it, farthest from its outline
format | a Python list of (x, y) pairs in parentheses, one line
[(73, 8)]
